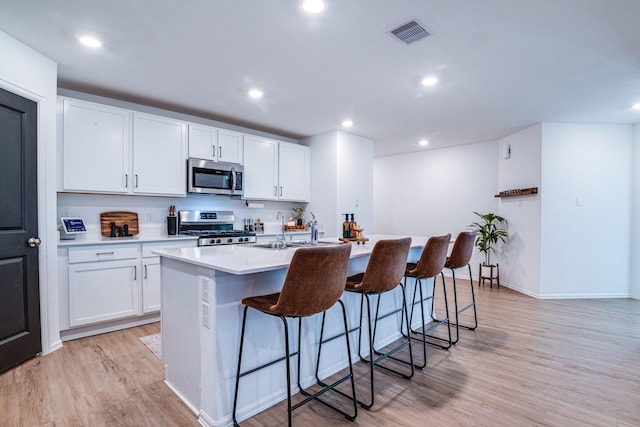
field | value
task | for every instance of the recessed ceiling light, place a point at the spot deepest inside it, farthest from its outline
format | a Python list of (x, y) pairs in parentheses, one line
[(430, 81), (89, 41), (347, 123), (255, 93), (635, 106), (313, 6), (423, 142)]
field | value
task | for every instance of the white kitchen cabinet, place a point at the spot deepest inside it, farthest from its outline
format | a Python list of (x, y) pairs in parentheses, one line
[(95, 147), (293, 172), (210, 143), (151, 285), (110, 286), (276, 170), (260, 179), (106, 289), (116, 151), (159, 155)]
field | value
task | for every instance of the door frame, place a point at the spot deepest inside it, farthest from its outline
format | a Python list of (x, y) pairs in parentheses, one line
[(47, 216)]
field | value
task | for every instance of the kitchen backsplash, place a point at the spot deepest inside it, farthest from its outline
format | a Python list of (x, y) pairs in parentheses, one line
[(152, 211)]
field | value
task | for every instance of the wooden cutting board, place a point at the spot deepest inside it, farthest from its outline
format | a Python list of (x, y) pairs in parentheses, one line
[(120, 218)]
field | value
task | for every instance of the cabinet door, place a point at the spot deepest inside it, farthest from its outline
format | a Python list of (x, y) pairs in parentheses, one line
[(95, 147), (260, 168), (151, 285), (159, 155), (101, 291), (203, 141), (229, 146), (294, 172)]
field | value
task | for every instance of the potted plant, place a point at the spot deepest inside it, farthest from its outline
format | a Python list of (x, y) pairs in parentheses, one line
[(298, 215), (490, 231)]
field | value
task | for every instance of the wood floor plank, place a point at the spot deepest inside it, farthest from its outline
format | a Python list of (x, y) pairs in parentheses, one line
[(530, 363)]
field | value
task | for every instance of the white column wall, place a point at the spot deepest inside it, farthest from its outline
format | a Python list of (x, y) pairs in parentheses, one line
[(341, 180), (31, 75), (635, 249), (586, 250), (520, 258), (434, 192)]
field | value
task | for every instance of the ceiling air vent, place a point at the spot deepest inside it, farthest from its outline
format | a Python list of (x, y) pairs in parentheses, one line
[(409, 32)]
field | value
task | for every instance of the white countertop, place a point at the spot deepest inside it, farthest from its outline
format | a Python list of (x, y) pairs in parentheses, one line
[(246, 259), (120, 240)]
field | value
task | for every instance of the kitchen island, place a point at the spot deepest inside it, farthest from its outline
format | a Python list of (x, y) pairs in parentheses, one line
[(201, 312)]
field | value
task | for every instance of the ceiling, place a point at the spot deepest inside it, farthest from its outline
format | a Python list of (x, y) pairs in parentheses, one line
[(503, 65)]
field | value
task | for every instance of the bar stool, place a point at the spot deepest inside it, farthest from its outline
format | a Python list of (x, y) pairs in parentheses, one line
[(461, 256), (430, 264), (313, 284), (383, 274)]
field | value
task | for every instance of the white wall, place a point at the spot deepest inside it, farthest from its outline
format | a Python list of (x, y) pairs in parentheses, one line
[(355, 179), (33, 76), (152, 211), (433, 192), (520, 258), (585, 250), (635, 251), (341, 180)]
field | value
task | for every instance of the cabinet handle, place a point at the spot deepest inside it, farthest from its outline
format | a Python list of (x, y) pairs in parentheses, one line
[(145, 271), (126, 180), (219, 152), (104, 253), (275, 190), (136, 180), (213, 151), (280, 191), (135, 273)]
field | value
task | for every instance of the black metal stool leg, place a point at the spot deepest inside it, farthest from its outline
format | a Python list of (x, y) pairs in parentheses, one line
[(235, 395)]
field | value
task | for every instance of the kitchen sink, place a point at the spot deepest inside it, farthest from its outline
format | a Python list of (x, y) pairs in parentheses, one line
[(290, 244)]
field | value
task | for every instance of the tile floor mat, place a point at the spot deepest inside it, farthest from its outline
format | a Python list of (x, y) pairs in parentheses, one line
[(153, 343)]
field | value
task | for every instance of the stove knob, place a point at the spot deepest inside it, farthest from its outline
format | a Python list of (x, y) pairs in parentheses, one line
[(218, 241), (229, 240), (246, 239)]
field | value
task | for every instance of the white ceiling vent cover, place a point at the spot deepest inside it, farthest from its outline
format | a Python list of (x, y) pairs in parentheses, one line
[(409, 32)]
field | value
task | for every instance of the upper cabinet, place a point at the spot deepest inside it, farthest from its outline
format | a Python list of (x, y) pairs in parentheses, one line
[(112, 150), (159, 155), (95, 147), (210, 143), (276, 170)]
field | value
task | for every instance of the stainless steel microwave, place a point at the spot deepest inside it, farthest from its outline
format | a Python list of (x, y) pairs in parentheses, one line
[(206, 176)]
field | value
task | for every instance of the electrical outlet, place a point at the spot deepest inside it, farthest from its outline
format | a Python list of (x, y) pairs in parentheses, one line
[(205, 282), (205, 315)]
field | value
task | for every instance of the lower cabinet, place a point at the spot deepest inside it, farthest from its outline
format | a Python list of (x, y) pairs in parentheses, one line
[(110, 282), (101, 291)]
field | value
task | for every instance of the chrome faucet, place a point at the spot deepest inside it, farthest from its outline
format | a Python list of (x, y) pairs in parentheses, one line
[(314, 230), (281, 238)]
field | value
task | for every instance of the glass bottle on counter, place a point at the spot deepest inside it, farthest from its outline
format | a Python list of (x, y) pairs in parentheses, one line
[(352, 227), (346, 229)]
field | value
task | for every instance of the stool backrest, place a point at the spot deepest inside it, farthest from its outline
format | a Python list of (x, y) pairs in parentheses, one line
[(462, 250), (386, 265), (315, 280), (433, 257)]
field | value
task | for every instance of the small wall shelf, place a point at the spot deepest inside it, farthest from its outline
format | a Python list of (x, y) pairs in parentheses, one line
[(518, 192)]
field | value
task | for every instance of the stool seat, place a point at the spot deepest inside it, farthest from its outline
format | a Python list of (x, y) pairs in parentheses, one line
[(264, 303)]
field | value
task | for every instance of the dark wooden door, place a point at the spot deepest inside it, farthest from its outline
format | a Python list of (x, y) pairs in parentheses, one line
[(19, 288)]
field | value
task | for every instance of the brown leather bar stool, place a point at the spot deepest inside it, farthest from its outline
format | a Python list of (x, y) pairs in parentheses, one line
[(430, 265), (383, 274), (460, 257), (314, 283)]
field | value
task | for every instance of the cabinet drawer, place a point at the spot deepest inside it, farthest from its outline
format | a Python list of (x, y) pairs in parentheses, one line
[(147, 248), (102, 253)]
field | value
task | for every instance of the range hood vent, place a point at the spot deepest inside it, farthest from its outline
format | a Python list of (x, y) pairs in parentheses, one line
[(409, 32)]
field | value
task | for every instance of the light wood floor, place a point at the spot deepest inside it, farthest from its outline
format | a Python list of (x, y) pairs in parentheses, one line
[(530, 362)]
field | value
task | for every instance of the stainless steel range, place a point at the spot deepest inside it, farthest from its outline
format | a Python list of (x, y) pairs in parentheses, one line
[(213, 228)]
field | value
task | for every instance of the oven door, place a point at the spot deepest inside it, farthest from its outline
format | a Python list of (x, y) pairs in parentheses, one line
[(205, 176)]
